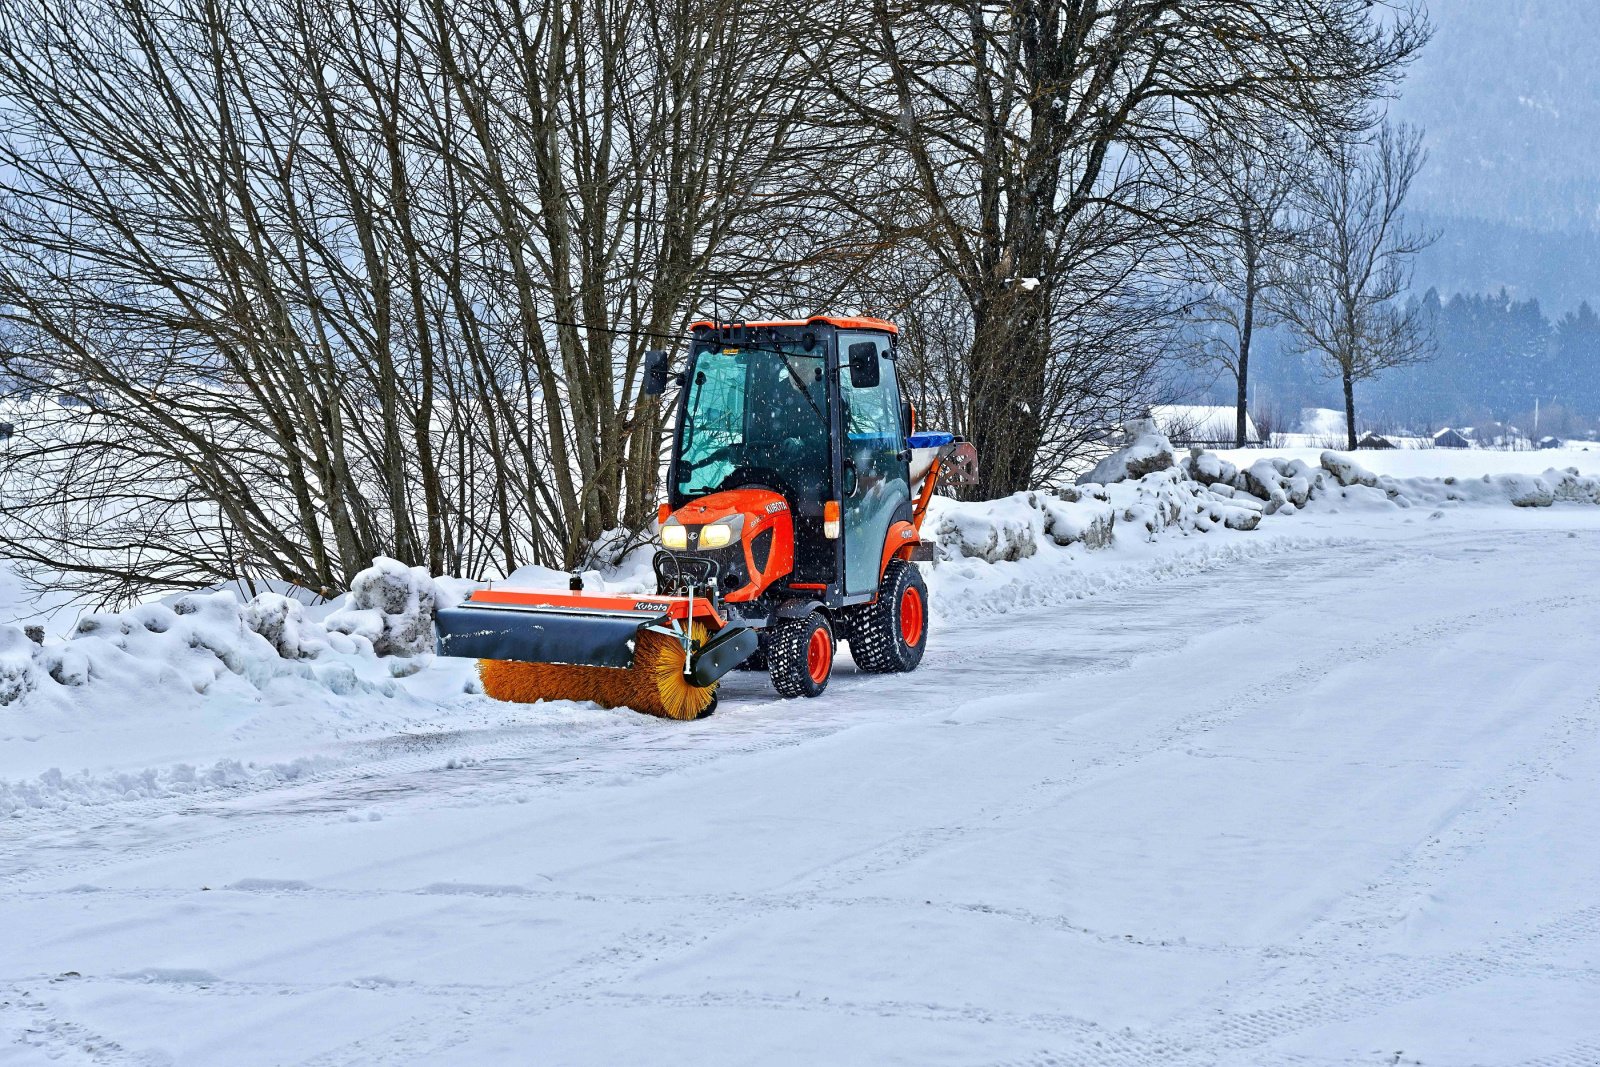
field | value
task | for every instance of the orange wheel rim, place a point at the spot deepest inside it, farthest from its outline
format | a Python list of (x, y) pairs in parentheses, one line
[(819, 655), (911, 616)]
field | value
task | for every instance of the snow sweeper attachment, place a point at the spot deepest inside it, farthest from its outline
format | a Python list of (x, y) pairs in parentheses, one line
[(659, 655), (797, 484)]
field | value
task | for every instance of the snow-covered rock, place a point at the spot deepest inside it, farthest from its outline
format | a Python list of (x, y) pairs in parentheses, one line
[(994, 531), (1281, 483), (1346, 471), (1526, 491), (1569, 485), (282, 621), (1208, 468), (1078, 519), (1149, 452)]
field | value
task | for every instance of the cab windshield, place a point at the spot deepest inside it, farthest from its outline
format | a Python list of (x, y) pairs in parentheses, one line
[(756, 416)]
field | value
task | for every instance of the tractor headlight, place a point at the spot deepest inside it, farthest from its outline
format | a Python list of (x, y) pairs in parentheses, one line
[(675, 536), (716, 535)]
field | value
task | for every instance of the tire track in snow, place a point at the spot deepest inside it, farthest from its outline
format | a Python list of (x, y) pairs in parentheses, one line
[(915, 844), (26, 1021), (1399, 979)]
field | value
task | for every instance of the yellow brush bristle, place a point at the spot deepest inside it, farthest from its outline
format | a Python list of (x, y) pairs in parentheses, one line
[(659, 684), (655, 685)]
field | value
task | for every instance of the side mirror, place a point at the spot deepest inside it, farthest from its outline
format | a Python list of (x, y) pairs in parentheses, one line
[(864, 365), (655, 373)]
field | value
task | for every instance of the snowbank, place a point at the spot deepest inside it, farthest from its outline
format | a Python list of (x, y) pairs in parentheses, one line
[(200, 643), (215, 642), (1143, 488)]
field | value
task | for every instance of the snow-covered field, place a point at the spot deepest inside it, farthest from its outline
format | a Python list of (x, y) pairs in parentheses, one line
[(1319, 794)]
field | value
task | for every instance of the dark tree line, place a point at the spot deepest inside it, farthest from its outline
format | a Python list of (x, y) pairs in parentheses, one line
[(1499, 360), (339, 278)]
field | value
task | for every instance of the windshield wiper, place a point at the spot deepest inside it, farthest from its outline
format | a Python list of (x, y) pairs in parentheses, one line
[(800, 384)]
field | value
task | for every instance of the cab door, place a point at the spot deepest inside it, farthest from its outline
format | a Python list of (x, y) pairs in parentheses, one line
[(876, 487)]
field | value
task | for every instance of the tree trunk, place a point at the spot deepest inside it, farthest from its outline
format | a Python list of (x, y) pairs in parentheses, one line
[(1247, 328), (1009, 353), (1350, 410)]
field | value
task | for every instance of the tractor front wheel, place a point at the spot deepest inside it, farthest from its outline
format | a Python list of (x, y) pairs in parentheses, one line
[(890, 634), (800, 655)]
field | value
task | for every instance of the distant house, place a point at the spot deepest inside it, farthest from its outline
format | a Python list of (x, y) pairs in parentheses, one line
[(1373, 440), (1550, 442), (1448, 438), (1204, 425)]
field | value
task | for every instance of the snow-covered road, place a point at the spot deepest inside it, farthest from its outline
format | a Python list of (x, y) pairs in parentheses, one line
[(1313, 806)]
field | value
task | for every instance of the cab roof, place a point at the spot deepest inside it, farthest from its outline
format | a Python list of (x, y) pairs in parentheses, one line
[(843, 322)]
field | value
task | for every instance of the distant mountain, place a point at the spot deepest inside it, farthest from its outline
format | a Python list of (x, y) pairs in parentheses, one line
[(1509, 94)]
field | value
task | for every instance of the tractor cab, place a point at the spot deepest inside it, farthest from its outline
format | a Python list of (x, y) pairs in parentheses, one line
[(797, 428)]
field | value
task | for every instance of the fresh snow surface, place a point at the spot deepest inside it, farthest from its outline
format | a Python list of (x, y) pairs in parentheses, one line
[(1320, 794)]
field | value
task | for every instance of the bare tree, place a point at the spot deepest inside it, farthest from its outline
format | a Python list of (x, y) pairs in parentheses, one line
[(1252, 185), (1344, 296), (357, 279), (1050, 145)]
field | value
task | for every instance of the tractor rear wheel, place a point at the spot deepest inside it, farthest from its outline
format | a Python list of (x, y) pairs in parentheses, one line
[(890, 634), (800, 655)]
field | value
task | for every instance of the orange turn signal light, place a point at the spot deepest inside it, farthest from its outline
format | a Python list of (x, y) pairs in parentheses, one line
[(663, 513), (830, 519)]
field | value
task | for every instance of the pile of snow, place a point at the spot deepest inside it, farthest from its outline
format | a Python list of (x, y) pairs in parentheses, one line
[(204, 642), (1090, 515), (197, 644), (56, 791)]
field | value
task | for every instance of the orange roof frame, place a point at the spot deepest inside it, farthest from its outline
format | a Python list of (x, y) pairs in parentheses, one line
[(843, 322)]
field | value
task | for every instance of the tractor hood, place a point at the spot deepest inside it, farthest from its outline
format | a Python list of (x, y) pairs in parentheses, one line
[(753, 505), (750, 532)]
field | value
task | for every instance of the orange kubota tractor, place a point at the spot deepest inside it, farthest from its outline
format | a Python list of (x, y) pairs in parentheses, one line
[(796, 487)]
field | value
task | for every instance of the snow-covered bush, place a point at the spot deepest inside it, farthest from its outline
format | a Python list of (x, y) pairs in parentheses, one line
[(18, 673), (392, 605)]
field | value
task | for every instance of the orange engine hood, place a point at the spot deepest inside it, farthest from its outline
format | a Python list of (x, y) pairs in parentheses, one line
[(764, 533)]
